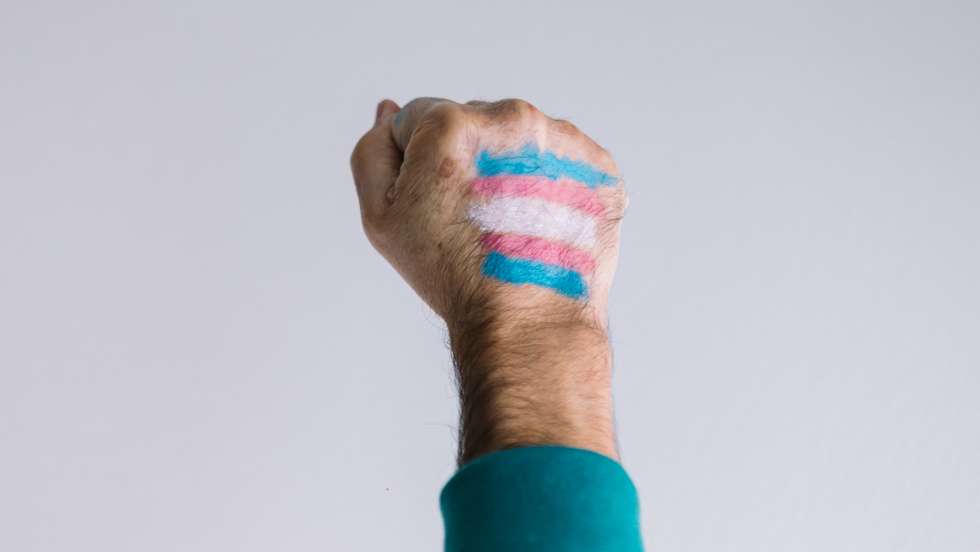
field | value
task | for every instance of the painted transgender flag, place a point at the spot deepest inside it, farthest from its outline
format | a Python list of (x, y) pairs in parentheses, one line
[(538, 215)]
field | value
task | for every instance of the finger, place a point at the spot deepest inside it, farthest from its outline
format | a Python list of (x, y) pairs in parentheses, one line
[(407, 120), (375, 162)]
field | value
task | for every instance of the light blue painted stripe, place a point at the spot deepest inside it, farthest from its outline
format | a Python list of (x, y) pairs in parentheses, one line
[(532, 161), (521, 271)]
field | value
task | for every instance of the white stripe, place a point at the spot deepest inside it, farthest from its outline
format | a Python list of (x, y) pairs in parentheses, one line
[(536, 217)]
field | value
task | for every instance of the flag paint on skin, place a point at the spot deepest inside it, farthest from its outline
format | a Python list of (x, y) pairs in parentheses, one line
[(564, 191), (537, 249), (538, 213), (521, 271), (535, 217), (532, 161)]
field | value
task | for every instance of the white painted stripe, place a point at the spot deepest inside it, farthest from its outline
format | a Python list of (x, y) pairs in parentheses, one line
[(536, 217)]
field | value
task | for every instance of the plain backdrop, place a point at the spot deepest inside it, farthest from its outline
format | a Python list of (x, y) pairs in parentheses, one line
[(200, 351)]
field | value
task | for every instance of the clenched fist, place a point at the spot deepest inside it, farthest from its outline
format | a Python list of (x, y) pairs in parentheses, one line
[(506, 222), (491, 202)]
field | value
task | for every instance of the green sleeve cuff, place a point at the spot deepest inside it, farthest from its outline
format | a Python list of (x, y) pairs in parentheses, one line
[(557, 499)]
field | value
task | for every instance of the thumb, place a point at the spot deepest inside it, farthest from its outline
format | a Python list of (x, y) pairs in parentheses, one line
[(376, 161)]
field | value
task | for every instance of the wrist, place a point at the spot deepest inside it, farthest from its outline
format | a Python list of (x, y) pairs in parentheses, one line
[(532, 376)]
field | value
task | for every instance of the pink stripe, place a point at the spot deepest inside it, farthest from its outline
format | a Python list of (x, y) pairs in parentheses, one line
[(564, 191), (537, 249)]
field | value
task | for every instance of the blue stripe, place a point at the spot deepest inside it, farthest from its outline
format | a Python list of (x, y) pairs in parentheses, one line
[(532, 161), (521, 271)]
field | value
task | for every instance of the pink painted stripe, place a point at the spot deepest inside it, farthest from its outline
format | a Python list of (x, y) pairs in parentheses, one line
[(564, 190), (537, 249)]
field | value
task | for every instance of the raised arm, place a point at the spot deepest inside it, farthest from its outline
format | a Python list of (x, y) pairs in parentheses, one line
[(506, 222)]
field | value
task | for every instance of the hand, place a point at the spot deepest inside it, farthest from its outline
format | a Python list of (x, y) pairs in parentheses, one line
[(506, 222), (427, 208)]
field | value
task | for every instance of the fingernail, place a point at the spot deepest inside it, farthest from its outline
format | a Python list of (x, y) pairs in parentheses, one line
[(377, 111)]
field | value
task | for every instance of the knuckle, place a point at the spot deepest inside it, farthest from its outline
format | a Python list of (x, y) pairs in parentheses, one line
[(514, 109), (439, 127), (443, 115), (519, 106), (606, 159), (566, 127)]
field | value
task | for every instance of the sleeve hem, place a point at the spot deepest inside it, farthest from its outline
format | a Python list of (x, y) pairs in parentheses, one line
[(548, 497)]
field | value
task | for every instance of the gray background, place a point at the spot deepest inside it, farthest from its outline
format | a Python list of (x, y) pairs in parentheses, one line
[(200, 350)]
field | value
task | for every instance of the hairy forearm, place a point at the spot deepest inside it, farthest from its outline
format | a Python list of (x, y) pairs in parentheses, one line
[(530, 378)]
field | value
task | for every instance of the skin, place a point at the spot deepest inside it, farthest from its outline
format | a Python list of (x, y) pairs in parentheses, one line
[(533, 367)]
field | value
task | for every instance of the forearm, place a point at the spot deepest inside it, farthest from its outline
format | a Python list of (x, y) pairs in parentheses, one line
[(536, 376), (539, 468)]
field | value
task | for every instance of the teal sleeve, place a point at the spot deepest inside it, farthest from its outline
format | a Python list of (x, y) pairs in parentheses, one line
[(557, 499)]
